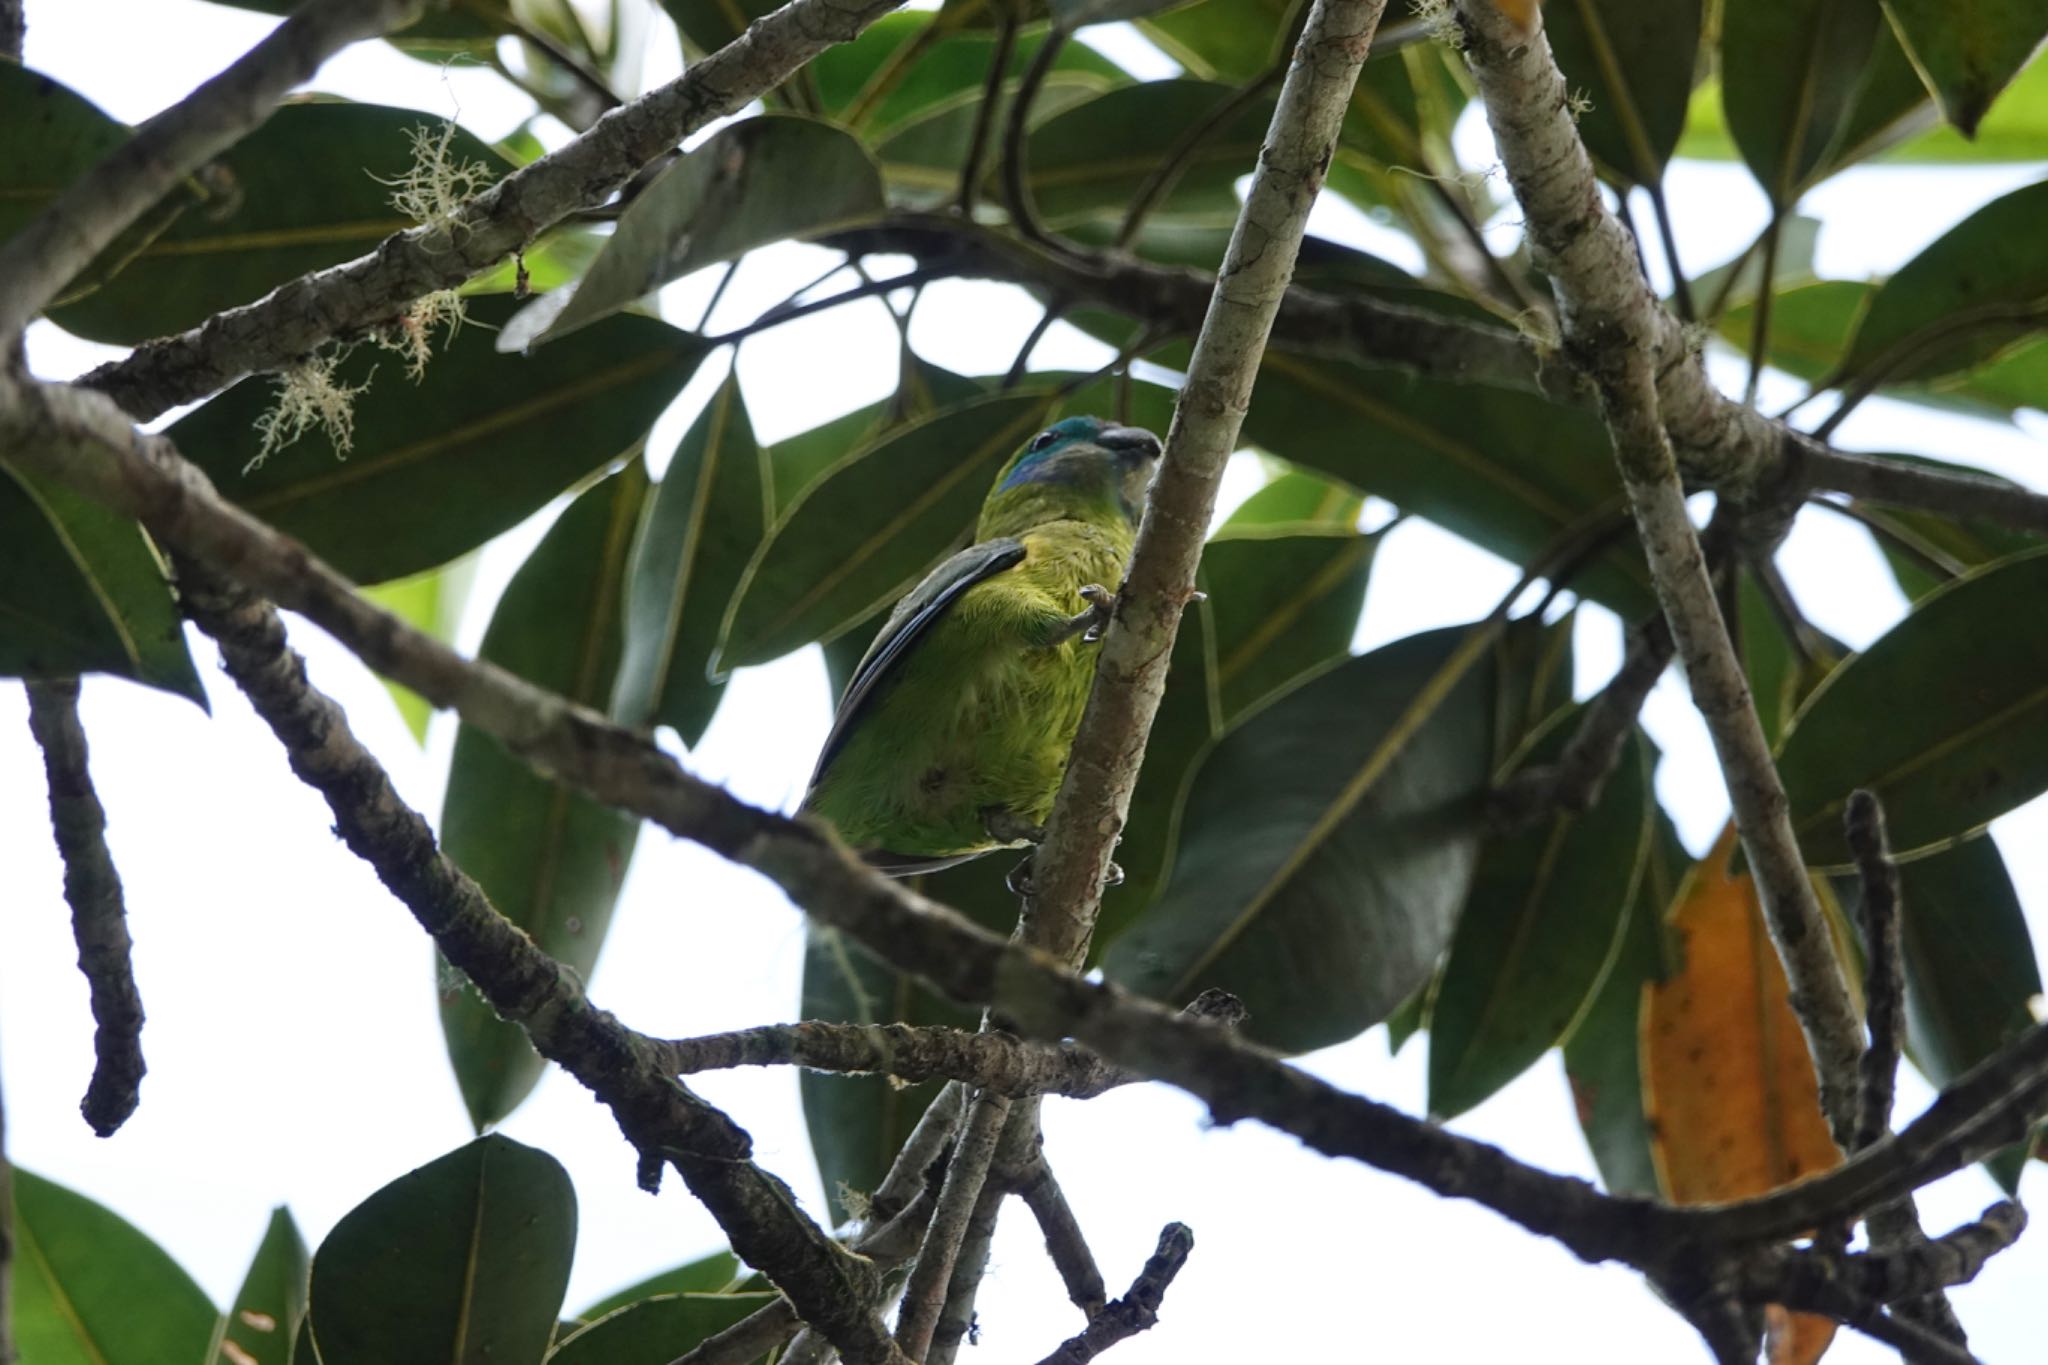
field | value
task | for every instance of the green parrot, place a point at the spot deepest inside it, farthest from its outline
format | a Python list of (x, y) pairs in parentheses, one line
[(954, 730)]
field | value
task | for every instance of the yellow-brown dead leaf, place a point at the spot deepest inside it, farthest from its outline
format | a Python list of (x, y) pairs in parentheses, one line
[(1728, 1086)]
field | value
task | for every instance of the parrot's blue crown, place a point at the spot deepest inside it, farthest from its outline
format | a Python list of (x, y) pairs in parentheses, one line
[(1078, 451)]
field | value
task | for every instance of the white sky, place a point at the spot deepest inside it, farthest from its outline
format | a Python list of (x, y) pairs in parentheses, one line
[(294, 1051)]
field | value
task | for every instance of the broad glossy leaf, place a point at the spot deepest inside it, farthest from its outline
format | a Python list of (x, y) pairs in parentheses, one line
[(758, 181), (91, 1289), (461, 28), (1782, 671), (265, 220), (1633, 60), (1945, 717), (1091, 159), (1926, 550), (1971, 293), (1738, 281), (863, 83), (55, 135), (260, 1325), (81, 591), (707, 518), (1224, 40), (1072, 14), (1790, 71), (432, 602), (1969, 49), (1325, 846), (1602, 1057), (798, 461), (1889, 106), (1727, 1080), (1508, 470), (860, 535), (439, 467), (1532, 660), (2011, 131), (461, 1262), (708, 25), (550, 859), (1540, 929), (656, 1330), (1293, 498), (1285, 601), (857, 1124), (712, 1274)]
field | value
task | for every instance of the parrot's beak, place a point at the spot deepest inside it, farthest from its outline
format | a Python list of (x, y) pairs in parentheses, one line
[(1134, 444)]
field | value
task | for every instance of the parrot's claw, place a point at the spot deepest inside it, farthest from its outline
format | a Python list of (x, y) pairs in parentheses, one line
[(1089, 623), (1019, 878), (1007, 827), (1114, 876)]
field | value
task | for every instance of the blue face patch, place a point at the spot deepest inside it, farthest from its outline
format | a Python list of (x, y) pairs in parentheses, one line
[(1033, 467)]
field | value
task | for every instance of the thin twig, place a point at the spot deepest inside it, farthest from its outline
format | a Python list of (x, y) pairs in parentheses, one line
[(1016, 141), (40, 259), (925, 1295), (1018, 367), (790, 312), (1681, 288), (1020, 1142), (985, 114), (99, 916), (989, 1060), (1760, 320), (1138, 1309), (1064, 1241)]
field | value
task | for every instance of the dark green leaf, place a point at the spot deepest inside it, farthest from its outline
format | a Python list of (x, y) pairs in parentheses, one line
[(862, 533), (550, 859), (1509, 470), (1889, 105), (265, 220), (1969, 49), (1782, 671), (799, 460), (1091, 159), (1325, 845), (271, 1304), (708, 25), (708, 517), (1790, 71), (1970, 965), (1533, 661), (712, 1274), (2012, 131), (857, 1123), (656, 1330), (1224, 40), (81, 591), (55, 135), (462, 28), (1285, 601), (1926, 550), (90, 1289), (1600, 1057), (1633, 61), (461, 1262), (1945, 718), (1294, 498), (1540, 929), (754, 182), (439, 467), (1980, 287), (861, 81), (1738, 281), (1072, 14)]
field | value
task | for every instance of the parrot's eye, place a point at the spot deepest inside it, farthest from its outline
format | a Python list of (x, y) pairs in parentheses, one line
[(1042, 440)]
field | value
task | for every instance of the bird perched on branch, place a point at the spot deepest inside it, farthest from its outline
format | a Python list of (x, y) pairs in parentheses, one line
[(954, 730)]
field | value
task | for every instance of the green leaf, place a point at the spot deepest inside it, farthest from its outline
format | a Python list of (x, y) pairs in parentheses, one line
[(91, 1289), (708, 516), (2012, 131), (462, 28), (1506, 469), (1890, 105), (1224, 40), (862, 82), (1945, 717), (1790, 71), (1738, 281), (799, 461), (1970, 965), (1532, 661), (1634, 62), (432, 602), (480, 443), (657, 1330), (55, 136), (1073, 14), (1969, 49), (461, 1262), (1982, 285), (754, 182), (81, 591), (862, 533), (708, 25), (265, 220), (1926, 550), (1782, 672), (1325, 845), (1601, 1056), (1090, 160), (857, 1124), (260, 1325), (1285, 601), (1293, 498), (1541, 928), (712, 1274), (550, 859)]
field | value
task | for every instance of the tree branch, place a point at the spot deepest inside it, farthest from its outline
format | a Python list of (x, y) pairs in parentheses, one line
[(1138, 1309), (662, 1119), (85, 219), (1102, 767), (1647, 378), (99, 917), (987, 1061), (925, 1295), (1064, 1241), (294, 319)]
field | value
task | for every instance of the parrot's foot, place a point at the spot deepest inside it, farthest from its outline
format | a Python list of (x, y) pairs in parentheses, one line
[(1005, 826), (1088, 624), (1019, 880)]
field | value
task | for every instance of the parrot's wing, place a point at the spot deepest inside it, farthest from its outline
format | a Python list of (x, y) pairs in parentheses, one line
[(919, 610)]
